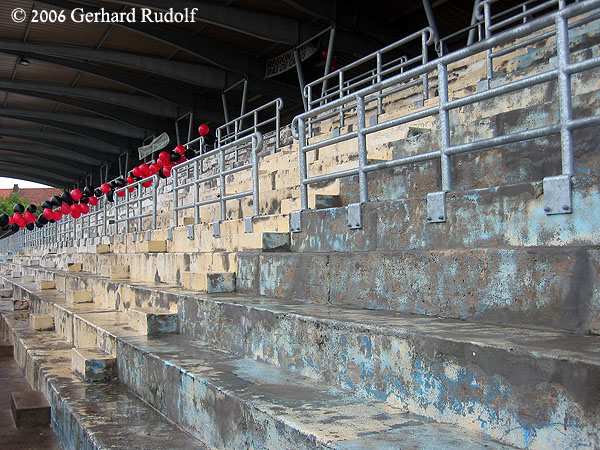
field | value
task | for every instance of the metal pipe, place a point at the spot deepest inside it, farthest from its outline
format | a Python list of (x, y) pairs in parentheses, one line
[(328, 60), (300, 78)]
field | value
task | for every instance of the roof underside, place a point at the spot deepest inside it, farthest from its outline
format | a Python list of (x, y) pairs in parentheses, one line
[(73, 96)]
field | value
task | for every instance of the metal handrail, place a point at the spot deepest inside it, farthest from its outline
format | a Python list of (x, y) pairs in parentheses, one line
[(136, 194), (256, 124), (566, 124), (197, 178), (342, 86)]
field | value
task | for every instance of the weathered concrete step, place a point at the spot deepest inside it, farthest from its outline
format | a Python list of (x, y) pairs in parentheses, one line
[(211, 282), (29, 409), (539, 286), (92, 365), (93, 416), (505, 216), (267, 407), (530, 388)]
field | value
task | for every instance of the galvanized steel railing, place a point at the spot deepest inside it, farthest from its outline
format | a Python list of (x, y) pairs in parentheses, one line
[(258, 120), (557, 189), (137, 203), (191, 175), (338, 84)]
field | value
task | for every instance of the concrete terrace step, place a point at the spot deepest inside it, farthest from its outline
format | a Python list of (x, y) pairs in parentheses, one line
[(266, 407), (97, 416), (191, 383), (530, 388)]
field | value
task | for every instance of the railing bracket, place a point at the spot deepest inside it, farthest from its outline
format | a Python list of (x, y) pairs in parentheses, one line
[(248, 225), (354, 216), (557, 195), (216, 229), (190, 232), (436, 207), (296, 221)]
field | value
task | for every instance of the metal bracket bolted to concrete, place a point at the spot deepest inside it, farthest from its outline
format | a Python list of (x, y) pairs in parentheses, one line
[(248, 225), (190, 232), (354, 216), (170, 234), (557, 195), (436, 207), (216, 229), (296, 221)]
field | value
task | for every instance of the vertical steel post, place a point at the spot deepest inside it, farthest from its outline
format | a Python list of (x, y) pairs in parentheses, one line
[(302, 165), (564, 90), (222, 183), (155, 181), (425, 60), (300, 78), (225, 111), (380, 93), (175, 199), (444, 127), (255, 194), (362, 149), (127, 200), (487, 17), (277, 126), (196, 187), (328, 63), (341, 95)]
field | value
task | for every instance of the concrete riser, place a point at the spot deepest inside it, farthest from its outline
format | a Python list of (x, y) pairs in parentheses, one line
[(517, 399), (508, 216), (557, 288), (212, 416)]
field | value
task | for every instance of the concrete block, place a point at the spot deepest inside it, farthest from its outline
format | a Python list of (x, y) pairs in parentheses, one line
[(27, 279), (119, 272), (220, 282), (275, 242), (6, 293), (93, 365), (102, 249), (41, 322), (154, 246), (74, 267), (153, 323), (29, 409), (188, 221), (15, 274), (46, 285), (323, 201), (79, 296), (6, 350)]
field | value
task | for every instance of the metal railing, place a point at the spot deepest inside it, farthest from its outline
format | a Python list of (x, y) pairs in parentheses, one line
[(565, 126), (260, 119), (138, 203), (339, 84), (182, 179)]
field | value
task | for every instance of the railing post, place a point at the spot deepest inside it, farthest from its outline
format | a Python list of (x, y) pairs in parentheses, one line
[(444, 127), (302, 165), (380, 93), (277, 126), (127, 199), (175, 199), (222, 183), (487, 23), (564, 89), (362, 149), (255, 195), (196, 188), (341, 88), (425, 60), (155, 182)]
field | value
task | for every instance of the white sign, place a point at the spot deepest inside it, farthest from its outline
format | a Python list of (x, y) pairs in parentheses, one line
[(156, 145)]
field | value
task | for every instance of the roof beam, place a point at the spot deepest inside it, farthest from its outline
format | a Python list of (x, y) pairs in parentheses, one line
[(46, 151), (268, 27), (123, 115), (27, 176), (89, 146), (178, 94), (138, 103), (54, 120), (193, 74)]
